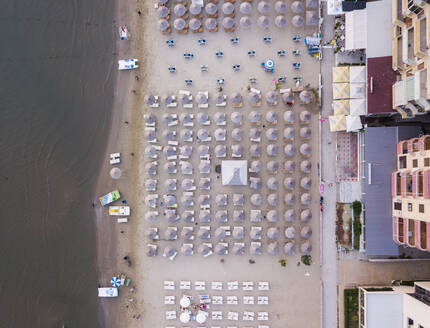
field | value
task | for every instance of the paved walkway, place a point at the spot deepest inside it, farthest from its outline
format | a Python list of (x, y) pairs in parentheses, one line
[(328, 160)]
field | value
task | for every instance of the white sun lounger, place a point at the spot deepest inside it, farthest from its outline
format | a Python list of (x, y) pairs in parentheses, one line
[(227, 230), (248, 300), (263, 326), (169, 300), (115, 158), (170, 315), (217, 300), (185, 285), (263, 300), (200, 285), (216, 285), (216, 315), (169, 285), (248, 285), (263, 316), (232, 300), (233, 316), (233, 285), (263, 285), (248, 316)]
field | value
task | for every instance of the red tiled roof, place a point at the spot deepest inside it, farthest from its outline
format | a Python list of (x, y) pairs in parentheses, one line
[(381, 100)]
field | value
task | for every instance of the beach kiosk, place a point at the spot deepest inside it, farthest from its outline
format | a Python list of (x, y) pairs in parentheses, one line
[(108, 292), (110, 197)]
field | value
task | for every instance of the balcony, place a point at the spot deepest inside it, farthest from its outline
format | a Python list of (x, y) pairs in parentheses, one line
[(411, 45), (423, 36)]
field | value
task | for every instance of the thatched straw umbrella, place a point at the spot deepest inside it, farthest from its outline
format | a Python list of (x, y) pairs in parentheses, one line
[(273, 200), (219, 118), (305, 166), (211, 8), (305, 116), (305, 97), (272, 167), (211, 23), (289, 215), (255, 166), (263, 22), (306, 183), (289, 133), (187, 249), (273, 248), (195, 9), (238, 249), (272, 97), (245, 8), (254, 116), (305, 248), (255, 150), (221, 216), (255, 183), (289, 116), (151, 168), (238, 216), (305, 132), (162, 12), (163, 25), (306, 215), (311, 18), (289, 248), (187, 216), (289, 199), (256, 248), (272, 233), (297, 21), (205, 216), (305, 199), (256, 199), (204, 249), (228, 8), (228, 23), (289, 183), (289, 166), (195, 24), (306, 232), (280, 7), (290, 150), (305, 149), (272, 216), (151, 250), (179, 24), (237, 134), (179, 10), (151, 216), (272, 183), (263, 7), (170, 233), (280, 21), (290, 232), (297, 7), (272, 150), (245, 21)]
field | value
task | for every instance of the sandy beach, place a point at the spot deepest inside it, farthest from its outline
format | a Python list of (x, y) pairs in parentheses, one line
[(294, 290)]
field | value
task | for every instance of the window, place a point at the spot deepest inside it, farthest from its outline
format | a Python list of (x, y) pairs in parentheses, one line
[(398, 206), (427, 161), (410, 207), (415, 163), (421, 208)]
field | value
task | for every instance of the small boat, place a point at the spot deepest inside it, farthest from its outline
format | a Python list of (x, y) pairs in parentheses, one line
[(108, 292), (110, 197), (119, 210), (123, 33), (129, 63)]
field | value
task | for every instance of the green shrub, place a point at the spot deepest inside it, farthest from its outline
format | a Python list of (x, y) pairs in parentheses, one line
[(306, 259), (283, 263), (356, 205), (350, 300)]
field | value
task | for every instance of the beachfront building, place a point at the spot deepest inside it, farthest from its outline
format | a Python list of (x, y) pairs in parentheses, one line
[(411, 40), (411, 194), (395, 307)]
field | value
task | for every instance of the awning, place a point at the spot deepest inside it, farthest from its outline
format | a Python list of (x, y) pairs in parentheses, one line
[(355, 29), (357, 107), (341, 107), (357, 74), (340, 74), (337, 123), (357, 90), (340, 90), (334, 7), (234, 173), (353, 123)]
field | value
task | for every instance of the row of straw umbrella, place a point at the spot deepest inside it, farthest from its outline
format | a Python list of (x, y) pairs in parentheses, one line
[(220, 233), (206, 249), (255, 166), (238, 216), (305, 96)]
